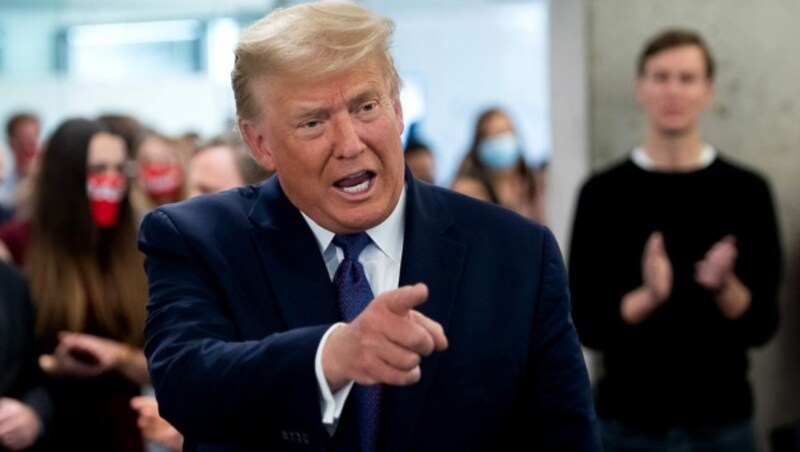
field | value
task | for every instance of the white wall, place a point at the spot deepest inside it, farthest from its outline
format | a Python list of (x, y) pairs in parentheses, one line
[(471, 58), (468, 56)]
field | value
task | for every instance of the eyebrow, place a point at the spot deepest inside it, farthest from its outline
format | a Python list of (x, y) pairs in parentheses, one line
[(305, 113), (308, 113), (363, 96)]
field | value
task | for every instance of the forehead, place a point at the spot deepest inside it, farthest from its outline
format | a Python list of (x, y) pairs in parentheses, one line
[(217, 157), (105, 146), (497, 123), (682, 58), (299, 92), (26, 126), (155, 149)]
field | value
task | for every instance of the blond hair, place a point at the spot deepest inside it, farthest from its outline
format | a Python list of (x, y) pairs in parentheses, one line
[(311, 40)]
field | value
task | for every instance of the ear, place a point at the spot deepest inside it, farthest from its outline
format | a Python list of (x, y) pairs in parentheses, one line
[(398, 113), (256, 141)]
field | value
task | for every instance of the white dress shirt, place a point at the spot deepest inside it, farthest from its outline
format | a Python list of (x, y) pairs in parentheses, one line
[(381, 260)]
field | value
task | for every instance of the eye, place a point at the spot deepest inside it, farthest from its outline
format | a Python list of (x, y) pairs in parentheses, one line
[(313, 123), (310, 127), (95, 168), (367, 110), (660, 77)]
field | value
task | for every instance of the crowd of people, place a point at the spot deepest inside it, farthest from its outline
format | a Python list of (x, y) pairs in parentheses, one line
[(69, 245), (349, 303)]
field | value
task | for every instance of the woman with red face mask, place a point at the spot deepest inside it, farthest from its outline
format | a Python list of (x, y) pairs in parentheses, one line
[(160, 176), (89, 288)]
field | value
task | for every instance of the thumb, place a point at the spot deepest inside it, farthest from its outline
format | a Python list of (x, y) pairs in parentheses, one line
[(657, 241), (406, 298)]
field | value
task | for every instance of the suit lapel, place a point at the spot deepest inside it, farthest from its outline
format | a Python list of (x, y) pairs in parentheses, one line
[(296, 272), (431, 256), (291, 259)]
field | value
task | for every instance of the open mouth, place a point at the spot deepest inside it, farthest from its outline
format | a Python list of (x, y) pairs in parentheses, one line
[(355, 183)]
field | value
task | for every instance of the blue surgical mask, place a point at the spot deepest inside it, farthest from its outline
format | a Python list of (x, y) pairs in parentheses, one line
[(500, 151)]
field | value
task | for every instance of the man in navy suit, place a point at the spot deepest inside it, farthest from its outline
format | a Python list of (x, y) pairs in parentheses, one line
[(469, 333)]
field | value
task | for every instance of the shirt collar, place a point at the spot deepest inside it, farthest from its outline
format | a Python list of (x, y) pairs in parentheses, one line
[(387, 236), (707, 156)]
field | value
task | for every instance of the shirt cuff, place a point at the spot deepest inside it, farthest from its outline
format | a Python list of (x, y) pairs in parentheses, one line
[(331, 404)]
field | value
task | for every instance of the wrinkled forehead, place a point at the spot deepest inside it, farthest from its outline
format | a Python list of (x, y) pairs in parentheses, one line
[(289, 89)]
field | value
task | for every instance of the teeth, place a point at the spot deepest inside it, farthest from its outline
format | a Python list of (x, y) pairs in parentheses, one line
[(357, 188)]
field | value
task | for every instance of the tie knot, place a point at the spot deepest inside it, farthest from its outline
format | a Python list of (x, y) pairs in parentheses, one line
[(352, 244)]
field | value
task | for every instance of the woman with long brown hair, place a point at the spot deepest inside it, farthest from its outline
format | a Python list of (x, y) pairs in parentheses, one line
[(89, 288), (495, 170)]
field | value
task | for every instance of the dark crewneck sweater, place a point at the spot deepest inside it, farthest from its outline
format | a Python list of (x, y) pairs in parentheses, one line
[(685, 365)]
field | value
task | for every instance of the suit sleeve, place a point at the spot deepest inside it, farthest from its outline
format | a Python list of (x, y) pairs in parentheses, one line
[(30, 388), (211, 384), (564, 411)]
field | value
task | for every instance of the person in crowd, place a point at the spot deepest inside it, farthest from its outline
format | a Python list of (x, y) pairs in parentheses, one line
[(154, 428), (419, 158), (126, 126), (88, 288), (342, 305), (494, 168), (26, 410), (160, 172), (674, 269), (5, 212), (221, 164), (22, 132)]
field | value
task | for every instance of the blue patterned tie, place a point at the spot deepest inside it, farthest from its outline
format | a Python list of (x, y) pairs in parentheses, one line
[(354, 294)]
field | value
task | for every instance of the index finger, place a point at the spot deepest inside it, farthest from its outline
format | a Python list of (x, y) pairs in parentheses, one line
[(406, 298), (139, 401)]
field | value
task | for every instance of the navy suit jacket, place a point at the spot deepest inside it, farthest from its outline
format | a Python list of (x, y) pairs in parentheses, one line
[(21, 377), (240, 298)]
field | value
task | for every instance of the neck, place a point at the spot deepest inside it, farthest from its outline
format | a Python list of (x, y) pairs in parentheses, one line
[(674, 152), (499, 175)]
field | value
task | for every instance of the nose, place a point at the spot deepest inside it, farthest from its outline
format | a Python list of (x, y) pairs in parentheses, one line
[(673, 85), (346, 141)]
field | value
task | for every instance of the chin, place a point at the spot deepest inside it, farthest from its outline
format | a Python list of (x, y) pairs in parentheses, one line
[(675, 131), (358, 220)]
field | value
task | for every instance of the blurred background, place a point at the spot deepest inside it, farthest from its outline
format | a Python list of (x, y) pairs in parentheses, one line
[(168, 63), (564, 69)]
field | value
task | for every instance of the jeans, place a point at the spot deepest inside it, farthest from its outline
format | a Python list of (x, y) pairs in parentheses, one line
[(734, 437)]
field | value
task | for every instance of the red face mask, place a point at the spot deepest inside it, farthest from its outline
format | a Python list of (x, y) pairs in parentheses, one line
[(162, 181), (105, 196)]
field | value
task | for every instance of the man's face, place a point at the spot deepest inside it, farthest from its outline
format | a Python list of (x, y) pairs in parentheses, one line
[(334, 143), (213, 170), (24, 142), (674, 90)]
